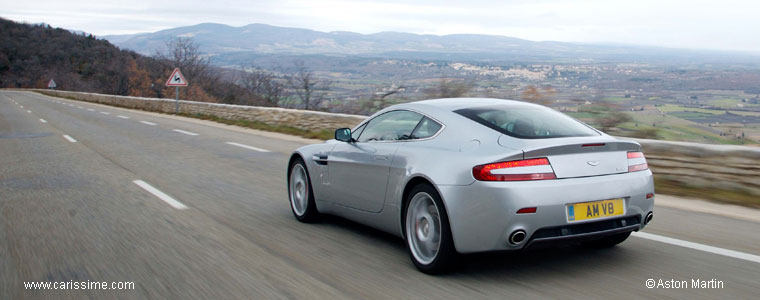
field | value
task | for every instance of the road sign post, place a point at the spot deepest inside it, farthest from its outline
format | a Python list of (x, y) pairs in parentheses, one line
[(51, 84), (176, 100), (176, 80)]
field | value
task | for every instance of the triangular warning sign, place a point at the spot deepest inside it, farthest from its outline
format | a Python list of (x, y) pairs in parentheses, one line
[(51, 84), (176, 79)]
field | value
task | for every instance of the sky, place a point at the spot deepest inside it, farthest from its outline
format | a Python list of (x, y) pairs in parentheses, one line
[(694, 24)]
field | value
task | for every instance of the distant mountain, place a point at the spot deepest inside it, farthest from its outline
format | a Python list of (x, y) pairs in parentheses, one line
[(260, 39)]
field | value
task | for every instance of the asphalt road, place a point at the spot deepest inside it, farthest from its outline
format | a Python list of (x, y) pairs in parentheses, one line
[(72, 212)]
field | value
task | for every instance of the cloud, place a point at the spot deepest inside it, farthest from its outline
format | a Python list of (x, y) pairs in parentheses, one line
[(726, 24)]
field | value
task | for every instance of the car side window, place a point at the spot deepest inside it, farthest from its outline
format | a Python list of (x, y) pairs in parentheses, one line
[(426, 129), (356, 133), (391, 126)]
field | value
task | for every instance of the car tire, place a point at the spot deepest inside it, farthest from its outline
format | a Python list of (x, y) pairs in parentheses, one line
[(427, 232), (608, 241), (300, 193)]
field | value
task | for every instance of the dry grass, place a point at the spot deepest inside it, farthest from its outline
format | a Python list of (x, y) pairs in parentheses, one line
[(739, 197)]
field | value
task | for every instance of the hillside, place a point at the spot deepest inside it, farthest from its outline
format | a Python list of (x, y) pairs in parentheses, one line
[(31, 55)]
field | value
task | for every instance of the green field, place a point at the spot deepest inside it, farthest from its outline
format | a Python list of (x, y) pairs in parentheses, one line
[(730, 103), (668, 108), (673, 124), (581, 115), (617, 99)]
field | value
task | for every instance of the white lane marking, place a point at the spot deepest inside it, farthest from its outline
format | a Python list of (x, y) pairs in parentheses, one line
[(29, 111), (21, 106), (71, 104), (696, 246), (70, 139), (148, 123), (248, 147), (105, 113), (79, 107), (185, 132), (168, 199), (123, 117), (43, 121), (90, 109)]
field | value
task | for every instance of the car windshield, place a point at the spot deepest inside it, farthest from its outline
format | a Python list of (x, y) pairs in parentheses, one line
[(527, 122)]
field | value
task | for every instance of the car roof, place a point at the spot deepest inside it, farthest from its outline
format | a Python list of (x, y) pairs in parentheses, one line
[(452, 104), (443, 109)]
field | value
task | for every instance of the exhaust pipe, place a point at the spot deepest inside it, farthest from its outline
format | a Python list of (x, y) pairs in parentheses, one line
[(648, 218), (517, 237)]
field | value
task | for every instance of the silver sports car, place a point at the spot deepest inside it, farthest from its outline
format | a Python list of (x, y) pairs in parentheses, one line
[(468, 175)]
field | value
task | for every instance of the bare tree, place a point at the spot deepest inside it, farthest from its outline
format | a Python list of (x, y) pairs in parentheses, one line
[(385, 91), (309, 89), (184, 53), (449, 88), (609, 115), (263, 84), (541, 95), (383, 96), (612, 119)]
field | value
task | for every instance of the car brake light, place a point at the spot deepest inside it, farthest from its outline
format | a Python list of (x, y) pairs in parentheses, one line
[(637, 162), (516, 170)]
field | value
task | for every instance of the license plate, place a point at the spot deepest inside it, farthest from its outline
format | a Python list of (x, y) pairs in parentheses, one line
[(595, 210)]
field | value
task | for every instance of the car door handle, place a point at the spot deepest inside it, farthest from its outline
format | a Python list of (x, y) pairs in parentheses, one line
[(320, 159), (381, 157)]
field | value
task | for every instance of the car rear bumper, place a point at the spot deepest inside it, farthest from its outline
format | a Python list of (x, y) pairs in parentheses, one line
[(483, 215)]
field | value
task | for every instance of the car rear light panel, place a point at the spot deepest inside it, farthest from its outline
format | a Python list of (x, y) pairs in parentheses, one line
[(637, 162), (517, 170)]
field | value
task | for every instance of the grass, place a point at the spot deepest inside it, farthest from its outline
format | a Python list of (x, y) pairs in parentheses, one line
[(670, 187), (310, 134)]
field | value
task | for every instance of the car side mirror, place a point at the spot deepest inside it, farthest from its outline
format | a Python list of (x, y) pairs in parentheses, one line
[(343, 135)]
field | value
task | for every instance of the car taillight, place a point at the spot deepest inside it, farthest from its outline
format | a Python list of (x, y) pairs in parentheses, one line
[(637, 162), (516, 170)]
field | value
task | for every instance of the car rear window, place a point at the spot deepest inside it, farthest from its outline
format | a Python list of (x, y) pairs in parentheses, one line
[(527, 122)]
